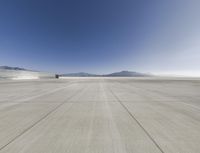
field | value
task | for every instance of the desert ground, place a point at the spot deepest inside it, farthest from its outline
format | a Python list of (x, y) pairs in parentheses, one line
[(100, 115)]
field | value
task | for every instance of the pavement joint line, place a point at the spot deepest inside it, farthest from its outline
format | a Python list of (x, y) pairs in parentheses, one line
[(28, 101), (37, 96), (176, 97), (90, 101), (132, 116), (174, 100), (44, 94), (41, 119)]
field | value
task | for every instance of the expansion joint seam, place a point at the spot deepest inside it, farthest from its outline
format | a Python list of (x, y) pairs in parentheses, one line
[(41, 119), (134, 118)]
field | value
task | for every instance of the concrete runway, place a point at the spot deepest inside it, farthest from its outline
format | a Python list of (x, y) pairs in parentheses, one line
[(100, 115)]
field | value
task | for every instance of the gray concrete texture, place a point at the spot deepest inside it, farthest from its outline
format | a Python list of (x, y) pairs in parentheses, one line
[(100, 115)]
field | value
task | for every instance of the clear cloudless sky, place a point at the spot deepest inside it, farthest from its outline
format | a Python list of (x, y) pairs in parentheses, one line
[(101, 36)]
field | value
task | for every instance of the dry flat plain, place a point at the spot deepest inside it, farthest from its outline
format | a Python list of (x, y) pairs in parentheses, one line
[(100, 115)]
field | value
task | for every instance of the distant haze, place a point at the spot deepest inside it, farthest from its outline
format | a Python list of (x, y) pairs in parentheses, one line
[(100, 37)]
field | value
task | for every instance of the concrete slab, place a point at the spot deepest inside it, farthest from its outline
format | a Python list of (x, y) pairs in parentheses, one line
[(100, 115)]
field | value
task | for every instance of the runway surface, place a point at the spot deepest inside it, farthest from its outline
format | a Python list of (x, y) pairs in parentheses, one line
[(100, 115)]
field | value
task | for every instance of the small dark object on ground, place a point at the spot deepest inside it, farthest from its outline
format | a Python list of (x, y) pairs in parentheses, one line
[(57, 76)]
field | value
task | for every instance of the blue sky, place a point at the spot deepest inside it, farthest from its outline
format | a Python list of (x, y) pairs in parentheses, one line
[(101, 36)]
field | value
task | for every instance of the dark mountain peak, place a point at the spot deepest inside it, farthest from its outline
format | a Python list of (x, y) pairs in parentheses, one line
[(127, 74)]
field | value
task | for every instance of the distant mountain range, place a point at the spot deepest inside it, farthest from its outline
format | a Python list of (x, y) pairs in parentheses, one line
[(7, 72), (80, 74), (16, 68), (127, 74), (83, 74), (12, 68), (116, 74)]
